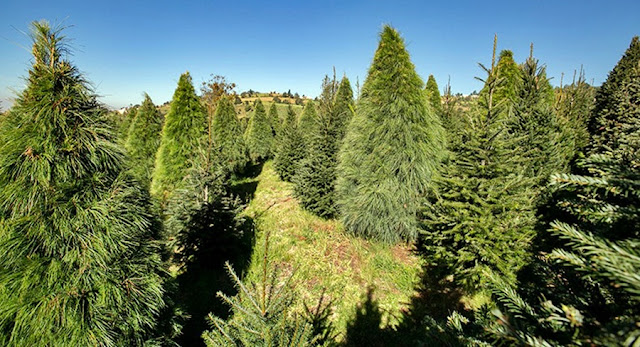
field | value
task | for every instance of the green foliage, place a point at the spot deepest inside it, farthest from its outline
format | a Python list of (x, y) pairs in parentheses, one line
[(79, 263), (308, 121), (259, 135), (125, 124), (343, 109), (433, 95), (586, 279), (274, 120), (574, 104), (603, 125), (506, 92), (482, 216), (290, 149), (261, 315), (542, 141), (228, 138), (391, 151), (143, 140), (182, 134)]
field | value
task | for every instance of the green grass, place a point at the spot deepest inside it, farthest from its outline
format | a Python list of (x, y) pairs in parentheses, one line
[(326, 259)]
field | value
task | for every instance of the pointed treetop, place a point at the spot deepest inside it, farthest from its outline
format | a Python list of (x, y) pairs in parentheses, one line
[(433, 94)]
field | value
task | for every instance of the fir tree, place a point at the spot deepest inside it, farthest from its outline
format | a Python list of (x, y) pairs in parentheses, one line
[(391, 151), (433, 95), (584, 289), (143, 140), (125, 124), (482, 215), (308, 121), (604, 122), (274, 119), (182, 134), (259, 135), (261, 314), (574, 104), (315, 175), (541, 138), (290, 149), (79, 266), (343, 109), (510, 74), (227, 137)]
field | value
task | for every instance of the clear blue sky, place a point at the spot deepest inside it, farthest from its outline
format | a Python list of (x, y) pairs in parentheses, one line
[(129, 47)]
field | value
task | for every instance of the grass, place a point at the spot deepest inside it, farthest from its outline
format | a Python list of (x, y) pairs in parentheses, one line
[(325, 258)]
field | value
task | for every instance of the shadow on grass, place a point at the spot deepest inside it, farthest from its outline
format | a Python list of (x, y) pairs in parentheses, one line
[(204, 250), (435, 298), (244, 185)]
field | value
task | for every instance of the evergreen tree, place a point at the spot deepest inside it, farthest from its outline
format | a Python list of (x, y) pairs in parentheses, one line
[(316, 174), (584, 289), (308, 121), (540, 134), (125, 124), (79, 266), (290, 149), (433, 95), (574, 104), (604, 122), (143, 140), (391, 151), (261, 315), (482, 215), (182, 134), (259, 136), (343, 109), (510, 74), (274, 119), (227, 137)]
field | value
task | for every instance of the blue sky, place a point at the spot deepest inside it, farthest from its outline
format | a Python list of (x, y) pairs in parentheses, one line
[(129, 47)]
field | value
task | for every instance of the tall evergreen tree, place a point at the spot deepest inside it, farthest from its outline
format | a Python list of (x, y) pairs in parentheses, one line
[(259, 136), (343, 109), (315, 175), (604, 123), (308, 121), (182, 134), (228, 138), (433, 95), (540, 134), (392, 148), (290, 147), (143, 140), (585, 287), (125, 124), (574, 104), (79, 266), (274, 119), (482, 215)]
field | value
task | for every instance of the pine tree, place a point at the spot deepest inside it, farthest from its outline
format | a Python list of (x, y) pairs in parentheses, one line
[(274, 119), (433, 95), (391, 151), (143, 140), (182, 134), (290, 149), (228, 138), (125, 124), (574, 104), (261, 315), (259, 136), (79, 266), (482, 215), (604, 122), (308, 121)]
